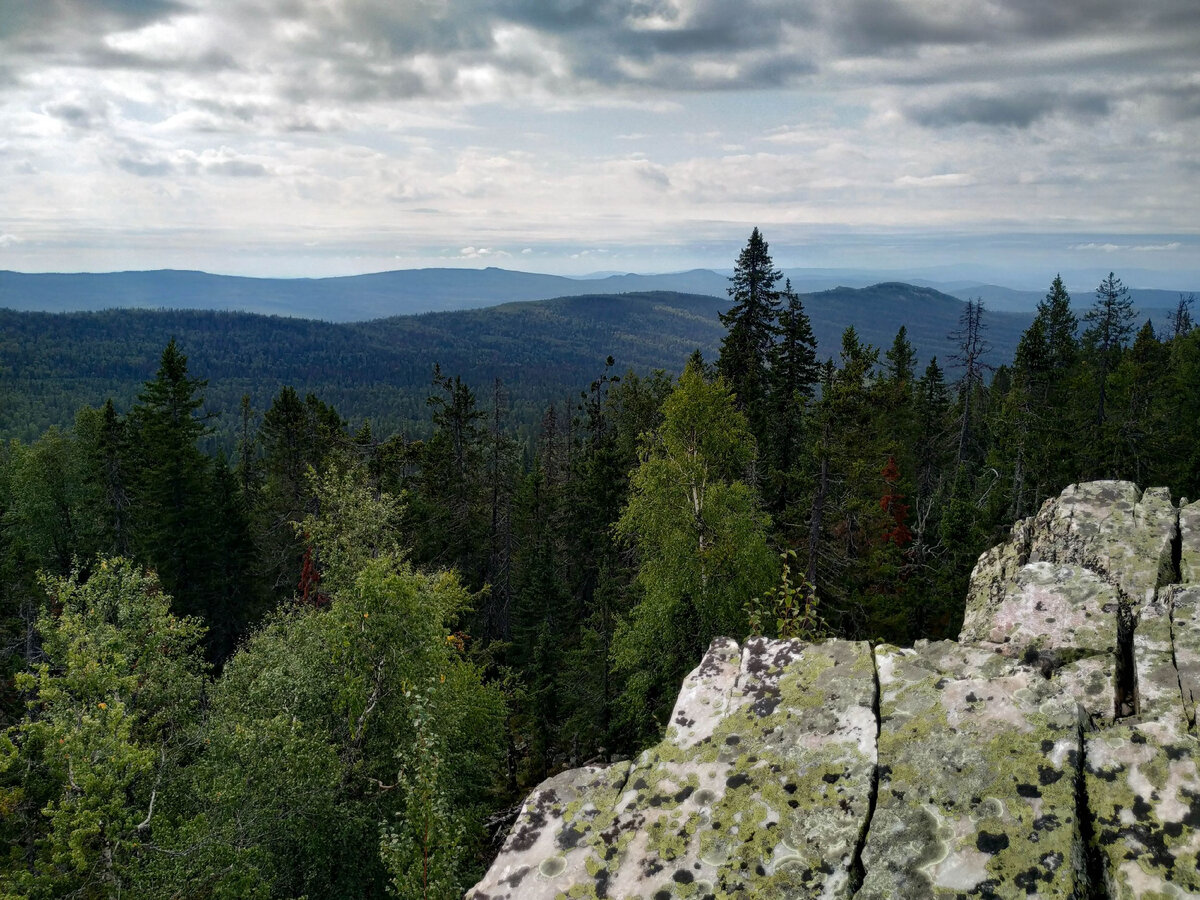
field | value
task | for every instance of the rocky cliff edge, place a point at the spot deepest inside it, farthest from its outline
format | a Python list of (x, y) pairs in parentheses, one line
[(1052, 751)]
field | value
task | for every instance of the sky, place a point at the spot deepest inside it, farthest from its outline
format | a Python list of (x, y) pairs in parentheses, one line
[(328, 137)]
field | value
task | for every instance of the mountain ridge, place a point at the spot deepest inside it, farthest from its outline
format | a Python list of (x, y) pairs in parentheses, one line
[(356, 298)]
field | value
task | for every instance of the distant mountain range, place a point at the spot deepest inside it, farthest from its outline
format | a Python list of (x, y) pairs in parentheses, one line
[(360, 298)]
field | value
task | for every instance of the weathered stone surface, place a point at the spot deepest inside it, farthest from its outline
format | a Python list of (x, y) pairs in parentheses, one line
[(1143, 796), (1189, 541), (1052, 752), (769, 799), (1113, 529), (543, 856), (1184, 606), (1045, 606), (704, 699), (992, 574), (978, 763), (1092, 683)]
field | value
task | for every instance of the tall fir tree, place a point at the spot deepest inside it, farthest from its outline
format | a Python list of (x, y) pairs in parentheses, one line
[(752, 323), (1110, 323), (171, 480), (792, 380)]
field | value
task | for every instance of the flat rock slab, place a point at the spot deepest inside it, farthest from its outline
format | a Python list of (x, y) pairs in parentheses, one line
[(769, 798), (1045, 606), (978, 761), (1122, 534), (1143, 792)]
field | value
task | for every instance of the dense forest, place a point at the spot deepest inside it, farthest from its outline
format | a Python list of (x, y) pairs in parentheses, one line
[(327, 663), (543, 351)]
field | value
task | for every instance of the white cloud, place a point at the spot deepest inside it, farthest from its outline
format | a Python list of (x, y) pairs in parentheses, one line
[(474, 124)]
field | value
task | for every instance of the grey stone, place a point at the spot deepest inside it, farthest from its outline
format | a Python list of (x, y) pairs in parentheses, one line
[(1189, 544), (978, 758), (769, 798), (1112, 528), (1045, 606)]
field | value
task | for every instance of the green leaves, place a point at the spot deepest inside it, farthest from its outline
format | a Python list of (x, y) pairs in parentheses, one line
[(700, 537), (109, 714)]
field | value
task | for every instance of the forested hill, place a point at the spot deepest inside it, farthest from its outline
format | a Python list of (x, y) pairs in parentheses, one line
[(542, 351)]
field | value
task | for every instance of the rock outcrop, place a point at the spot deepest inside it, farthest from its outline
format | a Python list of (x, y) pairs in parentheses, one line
[(1051, 751)]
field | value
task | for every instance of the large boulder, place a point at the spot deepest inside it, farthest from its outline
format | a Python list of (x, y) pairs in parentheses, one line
[(1051, 751)]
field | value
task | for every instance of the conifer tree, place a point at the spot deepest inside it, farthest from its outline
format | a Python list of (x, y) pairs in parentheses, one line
[(172, 478), (1110, 323), (752, 325), (792, 379)]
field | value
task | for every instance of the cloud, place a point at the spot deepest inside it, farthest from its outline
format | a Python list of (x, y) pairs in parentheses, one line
[(1019, 110), (8, 240), (79, 111), (146, 168), (950, 179), (1109, 247), (482, 253)]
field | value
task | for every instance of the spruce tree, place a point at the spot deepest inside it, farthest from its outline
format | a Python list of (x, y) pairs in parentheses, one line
[(171, 480), (1110, 323), (752, 325), (792, 379)]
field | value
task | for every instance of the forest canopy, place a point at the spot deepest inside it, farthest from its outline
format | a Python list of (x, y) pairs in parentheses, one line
[(329, 662)]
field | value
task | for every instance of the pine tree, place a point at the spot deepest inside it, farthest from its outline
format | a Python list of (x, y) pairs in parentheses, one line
[(1042, 457), (972, 347), (1181, 318)]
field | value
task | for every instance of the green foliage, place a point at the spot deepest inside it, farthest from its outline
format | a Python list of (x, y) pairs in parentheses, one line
[(752, 325), (701, 540), (788, 610), (356, 738), (110, 717), (313, 720)]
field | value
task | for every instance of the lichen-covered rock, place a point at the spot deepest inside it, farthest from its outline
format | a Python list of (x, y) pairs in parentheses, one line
[(978, 759), (761, 789), (543, 856), (1091, 681), (1143, 796), (1052, 752), (1189, 543), (1184, 609), (704, 699), (1112, 528), (1045, 606), (993, 572)]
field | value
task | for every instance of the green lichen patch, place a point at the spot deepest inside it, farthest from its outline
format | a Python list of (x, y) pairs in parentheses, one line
[(978, 764), (1143, 792)]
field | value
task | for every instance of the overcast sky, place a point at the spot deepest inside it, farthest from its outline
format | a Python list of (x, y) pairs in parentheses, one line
[(315, 137)]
